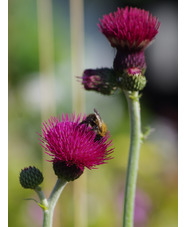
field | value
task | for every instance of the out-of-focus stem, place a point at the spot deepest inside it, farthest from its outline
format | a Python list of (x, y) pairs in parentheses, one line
[(78, 101), (77, 53), (46, 57), (46, 70)]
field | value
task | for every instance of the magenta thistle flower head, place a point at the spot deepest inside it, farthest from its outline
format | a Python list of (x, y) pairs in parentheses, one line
[(103, 80), (129, 28), (73, 146)]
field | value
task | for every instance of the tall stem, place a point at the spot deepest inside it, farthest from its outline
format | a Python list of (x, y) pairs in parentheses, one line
[(78, 102), (132, 169), (48, 213)]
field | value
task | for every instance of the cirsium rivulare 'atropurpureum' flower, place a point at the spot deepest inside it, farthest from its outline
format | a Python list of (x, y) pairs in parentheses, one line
[(73, 146), (130, 30), (103, 80)]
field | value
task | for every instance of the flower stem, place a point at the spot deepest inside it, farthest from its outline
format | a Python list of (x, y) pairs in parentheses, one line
[(48, 206), (132, 169), (43, 201), (54, 196)]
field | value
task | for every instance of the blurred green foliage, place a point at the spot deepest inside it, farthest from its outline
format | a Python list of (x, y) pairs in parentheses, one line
[(105, 186)]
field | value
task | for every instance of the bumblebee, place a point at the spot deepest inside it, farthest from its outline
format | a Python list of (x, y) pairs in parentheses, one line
[(94, 120)]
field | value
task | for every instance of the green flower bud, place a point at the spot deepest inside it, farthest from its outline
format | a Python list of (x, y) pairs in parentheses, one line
[(30, 177), (133, 80), (69, 173)]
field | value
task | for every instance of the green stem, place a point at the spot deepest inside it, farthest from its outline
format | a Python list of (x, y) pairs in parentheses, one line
[(54, 196), (43, 200), (49, 205), (132, 169)]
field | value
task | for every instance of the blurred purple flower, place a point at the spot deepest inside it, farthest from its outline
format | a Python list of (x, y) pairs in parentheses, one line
[(143, 206), (35, 214)]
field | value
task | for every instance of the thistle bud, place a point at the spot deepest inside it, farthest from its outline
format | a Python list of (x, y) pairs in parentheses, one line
[(102, 80), (133, 79), (30, 177), (69, 173)]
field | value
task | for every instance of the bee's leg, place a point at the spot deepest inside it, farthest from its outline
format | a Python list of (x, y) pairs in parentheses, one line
[(84, 122), (97, 137)]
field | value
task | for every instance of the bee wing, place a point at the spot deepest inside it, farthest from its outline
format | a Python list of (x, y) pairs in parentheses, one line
[(97, 114)]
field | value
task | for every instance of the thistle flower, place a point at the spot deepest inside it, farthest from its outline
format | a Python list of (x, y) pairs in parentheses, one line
[(130, 30), (103, 80), (72, 146)]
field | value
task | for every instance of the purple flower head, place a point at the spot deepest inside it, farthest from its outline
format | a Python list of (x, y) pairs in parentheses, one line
[(73, 146), (129, 28)]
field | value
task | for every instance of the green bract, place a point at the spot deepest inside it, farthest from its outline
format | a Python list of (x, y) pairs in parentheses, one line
[(133, 82)]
